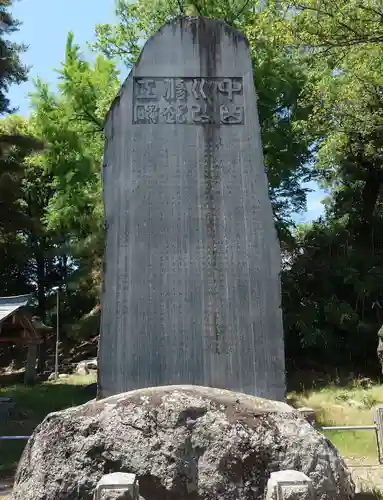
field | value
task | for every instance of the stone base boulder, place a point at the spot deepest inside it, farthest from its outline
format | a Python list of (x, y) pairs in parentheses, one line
[(183, 443)]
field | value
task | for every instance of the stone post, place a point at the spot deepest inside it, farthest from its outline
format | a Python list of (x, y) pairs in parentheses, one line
[(30, 369), (378, 421), (289, 485), (126, 483)]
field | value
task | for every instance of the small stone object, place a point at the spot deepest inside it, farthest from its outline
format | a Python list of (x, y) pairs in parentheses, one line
[(126, 483), (92, 364), (82, 370), (308, 414), (61, 376), (365, 383), (30, 368), (6, 407), (289, 485), (86, 366)]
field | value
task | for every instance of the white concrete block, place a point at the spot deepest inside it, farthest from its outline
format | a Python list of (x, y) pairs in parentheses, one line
[(289, 485), (121, 481)]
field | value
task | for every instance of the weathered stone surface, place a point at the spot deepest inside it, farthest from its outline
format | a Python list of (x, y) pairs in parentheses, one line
[(191, 282), (184, 443)]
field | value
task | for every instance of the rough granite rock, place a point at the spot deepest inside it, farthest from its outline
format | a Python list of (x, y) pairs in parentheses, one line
[(183, 442)]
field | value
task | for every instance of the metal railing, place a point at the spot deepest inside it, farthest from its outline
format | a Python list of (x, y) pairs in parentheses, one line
[(349, 428), (372, 427)]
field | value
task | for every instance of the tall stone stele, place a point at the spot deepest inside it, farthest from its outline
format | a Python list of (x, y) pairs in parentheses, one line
[(191, 282)]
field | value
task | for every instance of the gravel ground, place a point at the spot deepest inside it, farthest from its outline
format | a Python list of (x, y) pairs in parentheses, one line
[(5, 488), (367, 473)]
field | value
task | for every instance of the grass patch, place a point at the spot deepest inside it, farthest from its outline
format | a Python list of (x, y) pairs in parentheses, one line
[(354, 444), (33, 404), (351, 405)]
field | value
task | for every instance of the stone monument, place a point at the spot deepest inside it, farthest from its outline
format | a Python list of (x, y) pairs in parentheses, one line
[(191, 289)]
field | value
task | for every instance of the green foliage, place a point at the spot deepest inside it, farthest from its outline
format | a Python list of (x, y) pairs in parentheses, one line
[(71, 123), (334, 281), (329, 290), (343, 44), (28, 245), (51, 218)]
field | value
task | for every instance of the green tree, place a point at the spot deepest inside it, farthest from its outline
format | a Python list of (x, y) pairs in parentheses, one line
[(333, 281), (13, 258), (71, 123), (12, 71), (343, 42), (330, 288), (26, 193)]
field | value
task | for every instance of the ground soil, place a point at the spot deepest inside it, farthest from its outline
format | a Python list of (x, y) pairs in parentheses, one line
[(5, 488), (366, 473)]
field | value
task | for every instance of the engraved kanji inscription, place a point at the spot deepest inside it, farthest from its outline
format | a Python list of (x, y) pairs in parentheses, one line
[(200, 115), (145, 88), (182, 111), (188, 101), (229, 87), (231, 114), (175, 89), (198, 88), (169, 114), (146, 113)]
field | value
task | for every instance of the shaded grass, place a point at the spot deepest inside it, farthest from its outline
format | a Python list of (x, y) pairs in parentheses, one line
[(352, 405), (32, 405)]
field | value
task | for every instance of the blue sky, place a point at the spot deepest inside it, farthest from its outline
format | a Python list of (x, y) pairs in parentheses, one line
[(46, 24), (45, 27), (314, 204)]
